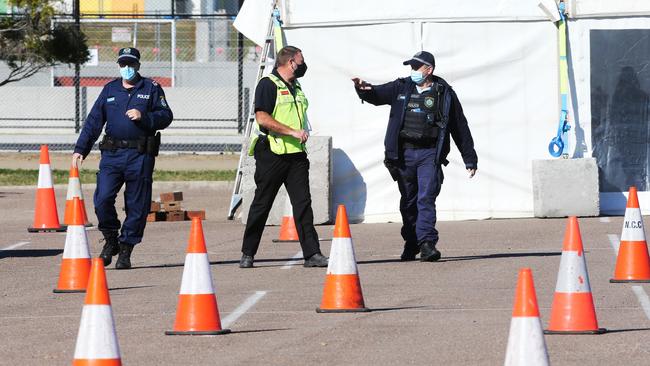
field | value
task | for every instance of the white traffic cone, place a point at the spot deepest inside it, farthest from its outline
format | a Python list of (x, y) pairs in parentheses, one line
[(97, 341), (526, 345)]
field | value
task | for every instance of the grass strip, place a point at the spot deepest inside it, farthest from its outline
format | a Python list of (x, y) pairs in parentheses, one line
[(26, 177)]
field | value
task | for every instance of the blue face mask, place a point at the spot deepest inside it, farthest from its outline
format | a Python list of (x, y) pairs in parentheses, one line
[(417, 77), (127, 72)]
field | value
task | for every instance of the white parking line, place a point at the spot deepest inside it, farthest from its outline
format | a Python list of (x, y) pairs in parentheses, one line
[(640, 293), (613, 240), (14, 246), (643, 299), (605, 219), (242, 309), (293, 261)]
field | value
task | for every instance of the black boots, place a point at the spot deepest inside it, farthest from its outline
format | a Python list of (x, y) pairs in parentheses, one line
[(246, 261), (410, 251), (316, 260), (111, 247), (124, 259), (428, 252)]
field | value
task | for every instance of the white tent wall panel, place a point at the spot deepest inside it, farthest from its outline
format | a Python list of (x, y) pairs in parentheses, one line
[(501, 60), (299, 13), (253, 20), (334, 55), (505, 76), (609, 8)]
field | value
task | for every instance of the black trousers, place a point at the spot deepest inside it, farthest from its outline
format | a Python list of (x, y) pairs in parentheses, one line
[(271, 171)]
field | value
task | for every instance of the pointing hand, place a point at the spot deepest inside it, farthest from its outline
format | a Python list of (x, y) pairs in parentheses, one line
[(361, 84)]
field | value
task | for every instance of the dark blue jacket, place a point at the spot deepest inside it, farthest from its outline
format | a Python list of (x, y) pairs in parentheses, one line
[(397, 93), (111, 106)]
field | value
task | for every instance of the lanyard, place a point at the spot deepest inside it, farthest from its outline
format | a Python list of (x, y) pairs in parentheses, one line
[(558, 145)]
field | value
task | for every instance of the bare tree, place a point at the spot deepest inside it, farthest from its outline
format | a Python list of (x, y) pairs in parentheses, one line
[(28, 43)]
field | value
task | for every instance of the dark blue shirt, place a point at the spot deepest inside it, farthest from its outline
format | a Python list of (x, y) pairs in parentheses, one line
[(110, 109), (396, 94)]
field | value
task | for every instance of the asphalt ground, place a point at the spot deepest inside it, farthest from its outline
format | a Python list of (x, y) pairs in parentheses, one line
[(453, 312)]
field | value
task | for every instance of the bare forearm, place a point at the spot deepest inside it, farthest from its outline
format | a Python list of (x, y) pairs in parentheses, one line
[(265, 120)]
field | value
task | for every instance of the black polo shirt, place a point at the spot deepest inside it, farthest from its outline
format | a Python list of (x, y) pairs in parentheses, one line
[(266, 92)]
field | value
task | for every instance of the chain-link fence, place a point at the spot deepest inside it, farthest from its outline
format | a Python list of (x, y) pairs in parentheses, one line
[(189, 47)]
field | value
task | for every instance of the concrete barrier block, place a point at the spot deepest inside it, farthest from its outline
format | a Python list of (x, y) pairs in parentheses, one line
[(565, 187), (319, 152)]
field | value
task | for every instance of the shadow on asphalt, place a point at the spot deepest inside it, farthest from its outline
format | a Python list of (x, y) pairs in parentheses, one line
[(626, 330), (377, 261), (258, 330), (30, 253), (171, 265), (500, 255), (128, 287), (469, 257), (380, 261), (400, 308)]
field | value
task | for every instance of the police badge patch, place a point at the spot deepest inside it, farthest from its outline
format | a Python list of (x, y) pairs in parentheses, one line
[(429, 102), (162, 101)]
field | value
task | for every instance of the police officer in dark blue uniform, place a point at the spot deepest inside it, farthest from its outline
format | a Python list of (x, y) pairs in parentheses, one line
[(425, 111), (134, 109)]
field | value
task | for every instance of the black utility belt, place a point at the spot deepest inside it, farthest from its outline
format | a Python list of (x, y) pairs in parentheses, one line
[(108, 143), (146, 144), (414, 145), (423, 137)]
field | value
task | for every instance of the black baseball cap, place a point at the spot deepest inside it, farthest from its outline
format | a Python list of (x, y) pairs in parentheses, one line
[(421, 58), (129, 55)]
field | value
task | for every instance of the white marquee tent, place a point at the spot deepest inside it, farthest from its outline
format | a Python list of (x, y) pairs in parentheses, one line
[(500, 56)]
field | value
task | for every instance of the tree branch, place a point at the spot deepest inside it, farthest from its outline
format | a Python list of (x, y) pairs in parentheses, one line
[(24, 71), (14, 28)]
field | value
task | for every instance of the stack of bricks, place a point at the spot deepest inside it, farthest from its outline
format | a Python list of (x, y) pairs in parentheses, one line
[(169, 209)]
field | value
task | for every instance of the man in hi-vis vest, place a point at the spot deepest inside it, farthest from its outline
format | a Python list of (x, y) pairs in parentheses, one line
[(280, 157)]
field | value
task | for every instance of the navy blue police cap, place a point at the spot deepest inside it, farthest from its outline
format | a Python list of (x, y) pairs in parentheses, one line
[(421, 58), (129, 55)]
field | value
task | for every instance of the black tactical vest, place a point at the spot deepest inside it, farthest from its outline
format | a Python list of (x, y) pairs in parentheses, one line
[(423, 113)]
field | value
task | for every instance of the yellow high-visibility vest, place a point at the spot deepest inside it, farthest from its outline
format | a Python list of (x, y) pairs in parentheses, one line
[(290, 111)]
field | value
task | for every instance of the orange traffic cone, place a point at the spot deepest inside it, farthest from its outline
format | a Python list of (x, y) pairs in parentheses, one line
[(75, 266), (342, 290), (573, 309), (288, 232), (526, 345), (46, 218), (197, 312), (97, 341), (632, 263), (74, 190)]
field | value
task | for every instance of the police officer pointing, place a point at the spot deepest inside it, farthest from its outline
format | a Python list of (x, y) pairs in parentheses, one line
[(280, 157), (133, 108), (425, 111)]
